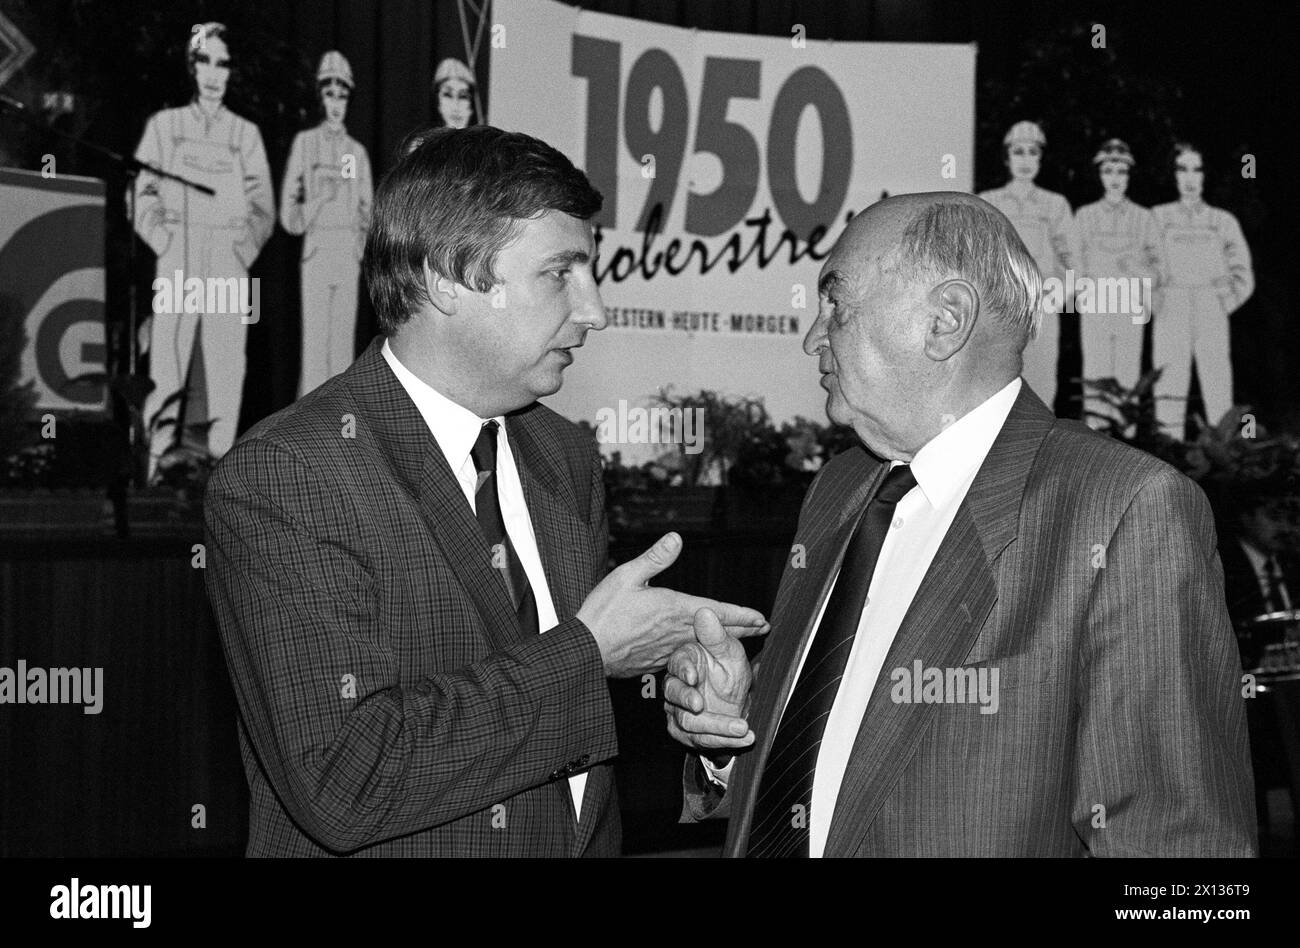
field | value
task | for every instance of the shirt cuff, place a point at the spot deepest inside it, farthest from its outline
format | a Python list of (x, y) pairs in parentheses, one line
[(717, 775)]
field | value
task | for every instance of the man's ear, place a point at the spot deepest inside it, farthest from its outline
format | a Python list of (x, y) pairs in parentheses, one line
[(443, 292), (956, 306)]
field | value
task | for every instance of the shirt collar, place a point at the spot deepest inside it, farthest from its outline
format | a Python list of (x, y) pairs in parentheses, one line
[(454, 426), (218, 116), (949, 460)]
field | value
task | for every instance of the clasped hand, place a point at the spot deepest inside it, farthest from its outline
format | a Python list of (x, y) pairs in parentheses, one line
[(706, 691)]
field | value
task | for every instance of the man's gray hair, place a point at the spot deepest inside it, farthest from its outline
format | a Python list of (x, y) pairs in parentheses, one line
[(972, 240)]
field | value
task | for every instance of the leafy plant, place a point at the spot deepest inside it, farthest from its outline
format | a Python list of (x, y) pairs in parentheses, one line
[(727, 427), (1234, 455)]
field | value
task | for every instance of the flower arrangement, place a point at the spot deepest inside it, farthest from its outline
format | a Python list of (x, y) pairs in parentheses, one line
[(1230, 457), (748, 469)]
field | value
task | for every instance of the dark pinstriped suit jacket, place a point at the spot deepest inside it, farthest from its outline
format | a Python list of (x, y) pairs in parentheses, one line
[(390, 704), (1119, 687)]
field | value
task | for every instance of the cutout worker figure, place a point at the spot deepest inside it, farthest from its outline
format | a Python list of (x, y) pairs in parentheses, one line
[(1043, 220), (215, 238), (1209, 278), (1119, 241), (327, 194), (453, 88)]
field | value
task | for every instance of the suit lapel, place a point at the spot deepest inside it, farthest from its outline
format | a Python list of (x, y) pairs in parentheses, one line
[(402, 435), (951, 605), (938, 630), (563, 537), (565, 544), (456, 530), (822, 542), (949, 609)]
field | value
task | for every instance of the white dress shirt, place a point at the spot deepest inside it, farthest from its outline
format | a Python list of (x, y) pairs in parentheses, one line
[(944, 469), (456, 428)]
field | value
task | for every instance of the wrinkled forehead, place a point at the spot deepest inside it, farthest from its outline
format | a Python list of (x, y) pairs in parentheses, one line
[(866, 244)]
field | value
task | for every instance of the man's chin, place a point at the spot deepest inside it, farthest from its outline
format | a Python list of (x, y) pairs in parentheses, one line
[(836, 410), (548, 383)]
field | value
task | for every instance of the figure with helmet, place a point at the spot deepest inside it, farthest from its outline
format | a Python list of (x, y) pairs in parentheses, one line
[(326, 197), (453, 88), (1119, 240), (1044, 222)]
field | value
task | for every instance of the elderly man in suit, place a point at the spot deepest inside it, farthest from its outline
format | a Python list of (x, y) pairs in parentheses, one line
[(406, 565), (999, 633)]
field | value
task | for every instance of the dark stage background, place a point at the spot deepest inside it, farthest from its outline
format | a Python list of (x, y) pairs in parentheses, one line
[(1166, 74)]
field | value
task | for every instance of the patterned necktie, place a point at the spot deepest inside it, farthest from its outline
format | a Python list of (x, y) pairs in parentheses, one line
[(784, 803), (487, 508)]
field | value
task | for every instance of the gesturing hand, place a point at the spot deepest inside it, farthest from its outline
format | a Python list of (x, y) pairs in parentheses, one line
[(637, 626), (706, 692)]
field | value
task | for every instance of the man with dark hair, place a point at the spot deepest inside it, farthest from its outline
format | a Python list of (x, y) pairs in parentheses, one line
[(406, 564), (1257, 546)]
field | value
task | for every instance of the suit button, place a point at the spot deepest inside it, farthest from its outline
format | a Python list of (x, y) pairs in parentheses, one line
[(556, 774)]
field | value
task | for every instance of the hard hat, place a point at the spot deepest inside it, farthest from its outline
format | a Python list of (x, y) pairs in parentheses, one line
[(452, 69), (1025, 132), (1114, 149), (200, 32), (333, 65)]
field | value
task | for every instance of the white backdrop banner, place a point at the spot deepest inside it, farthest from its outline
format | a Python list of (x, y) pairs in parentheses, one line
[(729, 165)]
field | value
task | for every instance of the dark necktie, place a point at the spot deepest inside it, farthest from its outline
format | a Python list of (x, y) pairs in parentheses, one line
[(487, 508), (778, 829)]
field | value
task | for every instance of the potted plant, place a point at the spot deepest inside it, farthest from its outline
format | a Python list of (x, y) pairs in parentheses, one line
[(744, 473), (1234, 454)]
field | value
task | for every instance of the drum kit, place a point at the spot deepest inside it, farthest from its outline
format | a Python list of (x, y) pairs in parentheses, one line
[(1270, 659)]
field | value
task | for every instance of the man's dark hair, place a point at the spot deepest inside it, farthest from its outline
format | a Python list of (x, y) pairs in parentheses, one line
[(457, 200)]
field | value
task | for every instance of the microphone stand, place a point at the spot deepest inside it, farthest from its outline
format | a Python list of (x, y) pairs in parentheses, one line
[(137, 388)]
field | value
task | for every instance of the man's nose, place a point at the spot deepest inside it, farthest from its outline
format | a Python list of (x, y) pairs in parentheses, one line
[(590, 309), (815, 341)]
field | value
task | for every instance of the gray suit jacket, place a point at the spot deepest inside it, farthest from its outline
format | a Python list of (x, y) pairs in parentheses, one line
[(1120, 728), (389, 702)]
